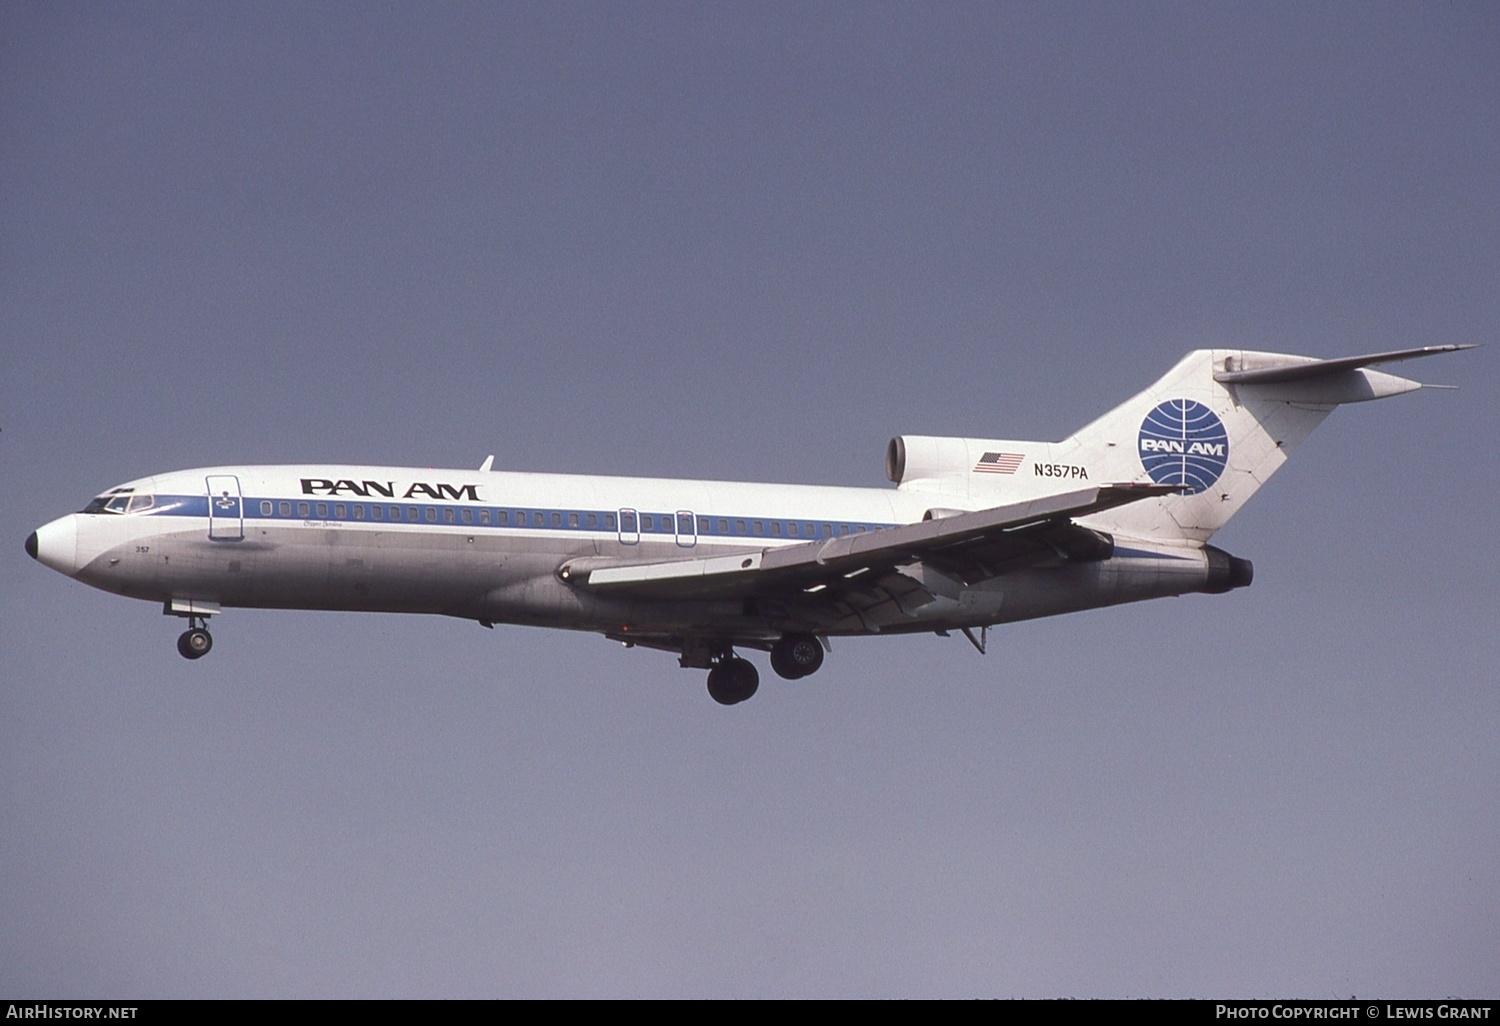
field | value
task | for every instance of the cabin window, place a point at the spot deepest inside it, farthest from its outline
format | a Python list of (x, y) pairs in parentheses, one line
[(448, 516), (593, 520), (723, 527), (828, 530), (323, 511), (376, 512), (431, 514), (760, 528), (503, 517), (359, 511), (609, 521), (338, 510), (557, 520), (572, 519), (484, 516), (412, 514), (286, 509), (776, 528), (739, 527), (304, 510), (860, 529), (791, 529), (265, 508)]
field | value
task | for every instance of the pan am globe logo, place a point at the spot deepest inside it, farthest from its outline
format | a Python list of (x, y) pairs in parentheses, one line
[(1184, 443)]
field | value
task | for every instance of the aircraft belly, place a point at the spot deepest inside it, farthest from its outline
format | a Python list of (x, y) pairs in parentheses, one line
[(1033, 593), (534, 596), (1030, 594)]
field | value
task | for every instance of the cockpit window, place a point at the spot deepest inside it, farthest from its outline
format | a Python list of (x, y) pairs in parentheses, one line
[(120, 503)]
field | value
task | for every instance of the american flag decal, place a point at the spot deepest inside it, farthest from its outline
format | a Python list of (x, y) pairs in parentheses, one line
[(999, 463)]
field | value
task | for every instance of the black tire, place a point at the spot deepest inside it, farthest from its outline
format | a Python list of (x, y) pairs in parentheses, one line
[(733, 681), (195, 643), (796, 655)]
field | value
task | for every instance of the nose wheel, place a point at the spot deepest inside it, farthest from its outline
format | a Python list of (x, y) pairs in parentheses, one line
[(195, 642)]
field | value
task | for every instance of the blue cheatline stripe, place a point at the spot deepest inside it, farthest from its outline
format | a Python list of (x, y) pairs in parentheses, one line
[(649, 524)]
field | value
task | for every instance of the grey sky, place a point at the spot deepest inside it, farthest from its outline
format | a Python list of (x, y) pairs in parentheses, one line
[(750, 241)]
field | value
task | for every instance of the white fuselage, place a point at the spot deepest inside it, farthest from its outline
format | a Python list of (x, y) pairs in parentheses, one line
[(487, 546)]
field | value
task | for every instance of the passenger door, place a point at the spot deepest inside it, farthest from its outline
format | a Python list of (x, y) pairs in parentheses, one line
[(226, 509)]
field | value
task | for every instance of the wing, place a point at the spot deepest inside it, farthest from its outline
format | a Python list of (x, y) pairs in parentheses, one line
[(821, 583)]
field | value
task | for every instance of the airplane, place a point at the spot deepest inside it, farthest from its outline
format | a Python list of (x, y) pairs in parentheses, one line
[(975, 533)]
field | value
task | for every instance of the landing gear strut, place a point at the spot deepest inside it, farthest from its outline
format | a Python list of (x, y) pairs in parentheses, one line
[(796, 655), (195, 642), (733, 680)]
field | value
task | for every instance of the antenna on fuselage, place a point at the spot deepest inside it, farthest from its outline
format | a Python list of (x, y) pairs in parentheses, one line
[(489, 461)]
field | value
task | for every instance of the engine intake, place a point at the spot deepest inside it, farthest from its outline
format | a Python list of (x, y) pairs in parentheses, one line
[(911, 458)]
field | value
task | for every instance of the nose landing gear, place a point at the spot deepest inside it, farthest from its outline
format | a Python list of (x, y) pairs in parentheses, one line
[(195, 642)]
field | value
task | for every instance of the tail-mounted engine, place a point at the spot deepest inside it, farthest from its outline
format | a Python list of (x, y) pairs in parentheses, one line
[(925, 461), (1226, 572)]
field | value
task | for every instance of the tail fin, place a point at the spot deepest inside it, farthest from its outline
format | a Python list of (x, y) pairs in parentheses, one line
[(1218, 425)]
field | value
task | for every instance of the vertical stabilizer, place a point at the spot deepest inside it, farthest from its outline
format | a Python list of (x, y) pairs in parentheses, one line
[(1218, 425)]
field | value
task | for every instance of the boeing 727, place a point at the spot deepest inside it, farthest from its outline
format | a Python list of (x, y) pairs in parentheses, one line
[(976, 532)]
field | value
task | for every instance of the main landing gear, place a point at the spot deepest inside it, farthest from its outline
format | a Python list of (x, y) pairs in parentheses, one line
[(195, 642), (796, 655), (732, 679)]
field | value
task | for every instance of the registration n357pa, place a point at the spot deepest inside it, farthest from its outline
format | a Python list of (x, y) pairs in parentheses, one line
[(976, 532)]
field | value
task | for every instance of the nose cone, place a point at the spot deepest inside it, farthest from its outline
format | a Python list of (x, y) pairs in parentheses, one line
[(56, 545)]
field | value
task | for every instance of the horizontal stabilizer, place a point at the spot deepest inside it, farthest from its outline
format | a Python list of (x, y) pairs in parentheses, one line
[(1296, 368)]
